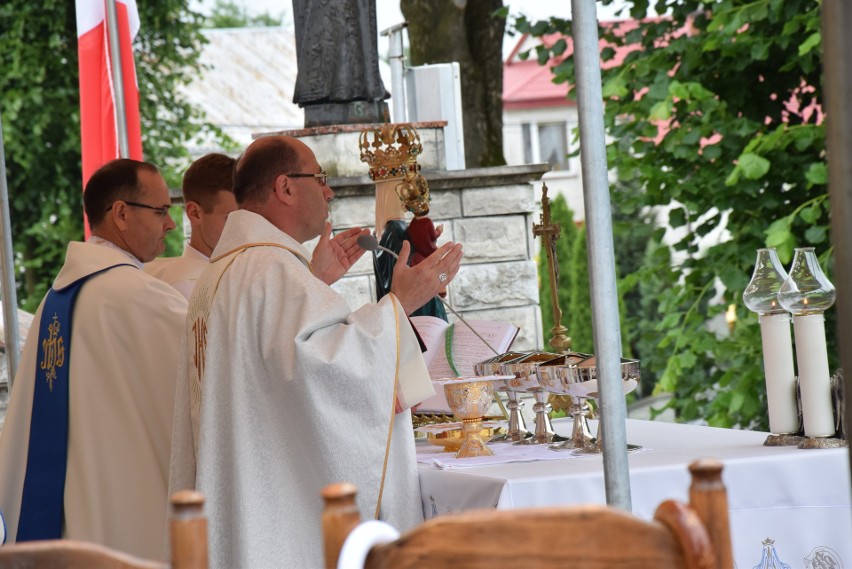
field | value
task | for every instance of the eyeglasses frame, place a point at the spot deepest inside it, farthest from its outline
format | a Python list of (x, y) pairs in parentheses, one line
[(162, 211), (321, 177)]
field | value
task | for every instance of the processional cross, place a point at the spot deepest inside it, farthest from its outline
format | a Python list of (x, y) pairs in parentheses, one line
[(549, 233)]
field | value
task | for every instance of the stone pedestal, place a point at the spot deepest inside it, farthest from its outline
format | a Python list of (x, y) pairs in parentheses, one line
[(336, 147), (356, 112)]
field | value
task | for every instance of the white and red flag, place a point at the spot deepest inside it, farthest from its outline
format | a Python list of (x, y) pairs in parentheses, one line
[(98, 124)]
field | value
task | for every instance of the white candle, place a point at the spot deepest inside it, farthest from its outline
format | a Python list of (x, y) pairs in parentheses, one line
[(780, 375), (814, 380)]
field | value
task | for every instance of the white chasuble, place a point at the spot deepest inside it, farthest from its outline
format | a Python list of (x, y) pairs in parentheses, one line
[(180, 272), (126, 331), (297, 391)]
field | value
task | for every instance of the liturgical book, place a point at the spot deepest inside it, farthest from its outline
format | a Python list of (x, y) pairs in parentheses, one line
[(453, 349)]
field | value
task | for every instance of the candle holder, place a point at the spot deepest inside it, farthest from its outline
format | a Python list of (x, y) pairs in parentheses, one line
[(807, 294), (761, 296)]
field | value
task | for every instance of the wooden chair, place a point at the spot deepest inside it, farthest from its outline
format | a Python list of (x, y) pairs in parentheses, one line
[(695, 536), (188, 536)]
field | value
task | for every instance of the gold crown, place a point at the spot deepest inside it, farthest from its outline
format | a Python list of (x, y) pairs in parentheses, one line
[(391, 151), (413, 191)]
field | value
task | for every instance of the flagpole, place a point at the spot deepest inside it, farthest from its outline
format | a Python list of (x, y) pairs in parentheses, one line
[(605, 317), (7, 264), (117, 79)]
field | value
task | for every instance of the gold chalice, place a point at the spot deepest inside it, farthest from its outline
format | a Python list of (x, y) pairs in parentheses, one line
[(452, 439), (470, 398)]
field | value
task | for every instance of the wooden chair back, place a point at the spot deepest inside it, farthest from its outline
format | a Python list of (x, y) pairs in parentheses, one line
[(694, 535), (187, 534)]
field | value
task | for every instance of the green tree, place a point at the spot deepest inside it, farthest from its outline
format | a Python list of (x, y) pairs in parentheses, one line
[(714, 109), (562, 215), (580, 303), (229, 14), (39, 102), (470, 33)]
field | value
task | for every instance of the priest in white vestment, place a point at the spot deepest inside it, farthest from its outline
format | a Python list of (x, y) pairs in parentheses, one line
[(287, 388), (125, 334), (208, 199)]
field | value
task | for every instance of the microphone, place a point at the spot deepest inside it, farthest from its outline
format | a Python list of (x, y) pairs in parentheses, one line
[(370, 243)]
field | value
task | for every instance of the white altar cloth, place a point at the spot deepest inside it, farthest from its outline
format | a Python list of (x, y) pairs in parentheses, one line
[(801, 499)]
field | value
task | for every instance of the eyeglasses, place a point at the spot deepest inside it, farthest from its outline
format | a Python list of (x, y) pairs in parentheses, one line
[(322, 177), (161, 211)]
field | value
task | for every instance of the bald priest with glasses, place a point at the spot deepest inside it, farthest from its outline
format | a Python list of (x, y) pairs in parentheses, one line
[(84, 452), (287, 387)]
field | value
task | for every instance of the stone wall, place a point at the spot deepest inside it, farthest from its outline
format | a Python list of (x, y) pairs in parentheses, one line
[(488, 210)]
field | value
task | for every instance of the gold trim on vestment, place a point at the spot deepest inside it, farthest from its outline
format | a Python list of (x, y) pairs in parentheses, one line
[(393, 406), (265, 244)]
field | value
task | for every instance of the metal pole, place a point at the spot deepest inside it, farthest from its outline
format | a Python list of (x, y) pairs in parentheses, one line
[(605, 318), (837, 62), (397, 66), (117, 79), (7, 265)]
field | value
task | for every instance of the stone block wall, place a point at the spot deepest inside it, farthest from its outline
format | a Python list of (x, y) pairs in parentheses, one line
[(490, 211)]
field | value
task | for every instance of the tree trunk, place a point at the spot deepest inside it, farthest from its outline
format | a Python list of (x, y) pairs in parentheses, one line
[(443, 31)]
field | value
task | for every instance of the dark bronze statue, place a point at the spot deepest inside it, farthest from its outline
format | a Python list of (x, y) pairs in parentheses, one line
[(338, 79)]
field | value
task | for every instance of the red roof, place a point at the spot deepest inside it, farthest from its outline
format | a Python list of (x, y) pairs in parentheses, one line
[(528, 85)]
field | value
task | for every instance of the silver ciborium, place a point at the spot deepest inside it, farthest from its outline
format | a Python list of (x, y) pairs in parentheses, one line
[(575, 374), (525, 380), (517, 430), (470, 398)]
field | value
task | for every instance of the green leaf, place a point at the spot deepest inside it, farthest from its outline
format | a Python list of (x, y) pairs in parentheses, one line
[(817, 234), (753, 166), (615, 87), (661, 111), (678, 90), (677, 217), (817, 174), (812, 42), (737, 400)]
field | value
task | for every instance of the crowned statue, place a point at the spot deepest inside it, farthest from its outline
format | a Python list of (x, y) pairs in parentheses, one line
[(391, 151)]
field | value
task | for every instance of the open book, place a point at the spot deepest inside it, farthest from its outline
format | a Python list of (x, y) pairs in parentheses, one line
[(457, 357)]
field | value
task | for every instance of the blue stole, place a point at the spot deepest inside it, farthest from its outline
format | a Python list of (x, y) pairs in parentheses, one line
[(42, 501)]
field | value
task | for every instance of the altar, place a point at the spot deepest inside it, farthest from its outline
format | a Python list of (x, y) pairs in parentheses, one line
[(795, 501)]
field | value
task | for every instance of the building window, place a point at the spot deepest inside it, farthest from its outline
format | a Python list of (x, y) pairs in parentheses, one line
[(547, 142), (526, 131)]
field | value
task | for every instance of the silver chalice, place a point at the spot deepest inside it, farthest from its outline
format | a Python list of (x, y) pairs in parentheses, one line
[(517, 430), (525, 380), (575, 374)]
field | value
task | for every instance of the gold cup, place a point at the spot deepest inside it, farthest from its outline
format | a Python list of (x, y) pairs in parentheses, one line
[(470, 401)]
